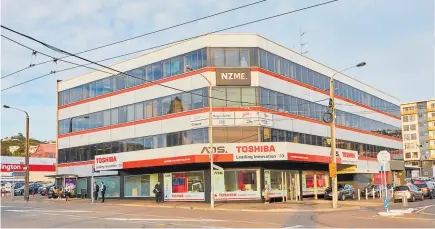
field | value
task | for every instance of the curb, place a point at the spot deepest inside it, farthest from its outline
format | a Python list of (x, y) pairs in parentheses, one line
[(243, 209), (396, 212)]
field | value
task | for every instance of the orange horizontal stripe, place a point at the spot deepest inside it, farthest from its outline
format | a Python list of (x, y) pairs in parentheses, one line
[(153, 119), (149, 84), (222, 109), (76, 163), (319, 90)]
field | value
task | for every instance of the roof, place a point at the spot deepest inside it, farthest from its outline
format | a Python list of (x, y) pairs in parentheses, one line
[(45, 148), (420, 101)]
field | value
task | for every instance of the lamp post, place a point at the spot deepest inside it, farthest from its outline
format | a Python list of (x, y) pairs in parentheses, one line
[(70, 122), (333, 140), (26, 172), (210, 134)]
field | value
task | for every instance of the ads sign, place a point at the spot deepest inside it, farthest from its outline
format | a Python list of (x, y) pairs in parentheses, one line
[(107, 162), (233, 77)]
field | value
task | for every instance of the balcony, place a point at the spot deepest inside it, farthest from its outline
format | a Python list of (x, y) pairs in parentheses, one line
[(431, 147), (430, 127), (430, 109), (409, 112), (430, 119), (430, 137)]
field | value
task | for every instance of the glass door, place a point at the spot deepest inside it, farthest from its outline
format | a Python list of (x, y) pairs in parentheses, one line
[(293, 186)]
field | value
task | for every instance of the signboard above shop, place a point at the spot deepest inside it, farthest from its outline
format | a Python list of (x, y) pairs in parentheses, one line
[(233, 77)]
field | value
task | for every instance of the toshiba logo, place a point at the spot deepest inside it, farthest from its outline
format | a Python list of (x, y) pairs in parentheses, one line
[(106, 159), (347, 154), (255, 149)]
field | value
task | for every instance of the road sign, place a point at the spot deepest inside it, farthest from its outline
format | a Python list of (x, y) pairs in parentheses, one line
[(384, 156), (386, 203), (332, 170)]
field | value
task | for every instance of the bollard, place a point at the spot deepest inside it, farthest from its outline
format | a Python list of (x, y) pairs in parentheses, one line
[(359, 194), (373, 192), (405, 201), (367, 194)]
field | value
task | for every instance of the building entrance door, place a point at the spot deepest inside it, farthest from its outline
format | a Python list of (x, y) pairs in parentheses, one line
[(293, 186)]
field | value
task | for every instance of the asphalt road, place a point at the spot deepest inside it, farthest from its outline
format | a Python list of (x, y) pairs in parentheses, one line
[(49, 214)]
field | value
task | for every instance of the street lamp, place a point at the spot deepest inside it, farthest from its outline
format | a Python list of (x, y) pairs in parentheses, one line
[(70, 122), (333, 140), (210, 134), (26, 172)]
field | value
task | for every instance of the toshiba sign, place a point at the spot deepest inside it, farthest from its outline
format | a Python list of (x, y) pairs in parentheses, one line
[(348, 157), (107, 162), (233, 77)]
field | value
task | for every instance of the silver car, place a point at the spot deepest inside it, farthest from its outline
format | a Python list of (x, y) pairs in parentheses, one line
[(410, 192)]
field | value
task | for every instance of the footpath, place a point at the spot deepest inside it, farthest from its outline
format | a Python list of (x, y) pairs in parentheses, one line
[(307, 205)]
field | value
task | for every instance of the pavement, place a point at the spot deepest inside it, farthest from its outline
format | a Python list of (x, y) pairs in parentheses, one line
[(43, 213)]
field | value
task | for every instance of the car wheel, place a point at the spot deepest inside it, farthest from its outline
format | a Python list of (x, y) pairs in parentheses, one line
[(343, 197), (413, 198)]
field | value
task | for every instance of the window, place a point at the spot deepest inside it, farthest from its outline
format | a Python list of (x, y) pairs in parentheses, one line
[(249, 97), (406, 128), (239, 180), (122, 114), (112, 183), (130, 113), (218, 57), (197, 99), (157, 71), (183, 182), (148, 109), (413, 136), (412, 127), (186, 101), (415, 155), (244, 58), (139, 186), (232, 58), (233, 97), (114, 116), (139, 110)]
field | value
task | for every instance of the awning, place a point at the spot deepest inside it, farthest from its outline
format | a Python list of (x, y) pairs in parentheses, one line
[(62, 176)]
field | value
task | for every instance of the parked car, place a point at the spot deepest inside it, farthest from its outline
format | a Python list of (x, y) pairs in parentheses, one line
[(344, 192), (427, 192), (411, 192), (19, 191), (43, 189), (33, 187)]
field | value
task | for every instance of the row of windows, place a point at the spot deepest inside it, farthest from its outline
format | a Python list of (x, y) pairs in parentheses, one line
[(364, 150), (220, 135), (409, 127), (88, 152), (300, 73), (222, 57), (152, 108), (278, 101), (166, 68), (408, 118)]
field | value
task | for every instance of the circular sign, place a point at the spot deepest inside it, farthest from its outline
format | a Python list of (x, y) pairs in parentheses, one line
[(327, 117), (384, 156)]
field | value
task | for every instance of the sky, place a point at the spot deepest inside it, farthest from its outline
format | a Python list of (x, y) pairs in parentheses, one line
[(395, 38)]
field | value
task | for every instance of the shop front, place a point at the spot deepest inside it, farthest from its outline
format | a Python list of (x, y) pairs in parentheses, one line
[(184, 186), (237, 184)]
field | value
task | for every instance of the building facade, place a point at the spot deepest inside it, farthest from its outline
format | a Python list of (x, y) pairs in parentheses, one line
[(151, 123), (44, 150), (418, 129)]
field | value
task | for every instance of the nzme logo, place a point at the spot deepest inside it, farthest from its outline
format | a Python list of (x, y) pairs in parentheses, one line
[(233, 76), (106, 159)]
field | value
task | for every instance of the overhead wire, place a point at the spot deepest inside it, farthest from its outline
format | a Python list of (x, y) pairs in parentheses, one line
[(158, 46), (142, 35)]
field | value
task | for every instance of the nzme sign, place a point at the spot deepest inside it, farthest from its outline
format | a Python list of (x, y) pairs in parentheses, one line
[(107, 162), (233, 76)]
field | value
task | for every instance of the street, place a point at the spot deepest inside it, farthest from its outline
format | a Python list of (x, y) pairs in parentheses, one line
[(55, 214)]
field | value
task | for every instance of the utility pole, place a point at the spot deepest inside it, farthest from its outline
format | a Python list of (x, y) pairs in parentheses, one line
[(26, 159), (333, 138)]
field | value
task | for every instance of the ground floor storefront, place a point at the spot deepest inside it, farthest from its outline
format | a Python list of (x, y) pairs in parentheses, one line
[(234, 182)]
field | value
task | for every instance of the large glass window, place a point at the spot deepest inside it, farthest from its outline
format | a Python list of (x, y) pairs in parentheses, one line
[(238, 180), (139, 186), (197, 99), (112, 185), (218, 57), (187, 182), (234, 97)]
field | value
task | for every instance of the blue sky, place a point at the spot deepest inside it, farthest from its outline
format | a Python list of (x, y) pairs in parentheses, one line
[(394, 37)]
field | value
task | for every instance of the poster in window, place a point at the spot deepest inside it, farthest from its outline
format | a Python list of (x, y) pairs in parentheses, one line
[(219, 181), (308, 182), (167, 179)]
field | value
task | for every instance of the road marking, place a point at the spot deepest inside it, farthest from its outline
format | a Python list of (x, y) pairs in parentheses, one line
[(42, 210), (166, 220), (423, 208)]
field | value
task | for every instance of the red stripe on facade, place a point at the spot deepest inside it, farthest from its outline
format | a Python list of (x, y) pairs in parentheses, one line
[(319, 90), (223, 109), (149, 84), (32, 168)]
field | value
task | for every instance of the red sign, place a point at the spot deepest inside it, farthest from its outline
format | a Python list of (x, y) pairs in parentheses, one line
[(106, 159), (13, 167)]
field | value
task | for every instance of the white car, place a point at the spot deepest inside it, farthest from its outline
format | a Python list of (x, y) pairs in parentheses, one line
[(6, 187)]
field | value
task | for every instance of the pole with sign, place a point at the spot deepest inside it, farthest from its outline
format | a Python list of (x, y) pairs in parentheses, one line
[(383, 158)]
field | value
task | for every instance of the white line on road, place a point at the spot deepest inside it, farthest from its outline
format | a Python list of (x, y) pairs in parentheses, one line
[(423, 208), (167, 220), (42, 210)]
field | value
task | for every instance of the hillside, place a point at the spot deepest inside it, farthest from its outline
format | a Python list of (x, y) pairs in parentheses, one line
[(18, 140)]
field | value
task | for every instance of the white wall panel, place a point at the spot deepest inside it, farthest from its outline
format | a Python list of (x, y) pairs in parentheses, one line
[(78, 110), (63, 143), (148, 129), (176, 124), (122, 99), (79, 140), (63, 113), (122, 133), (83, 171), (99, 105), (100, 136)]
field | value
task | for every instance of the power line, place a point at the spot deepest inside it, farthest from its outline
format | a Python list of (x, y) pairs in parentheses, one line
[(169, 43), (142, 35)]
